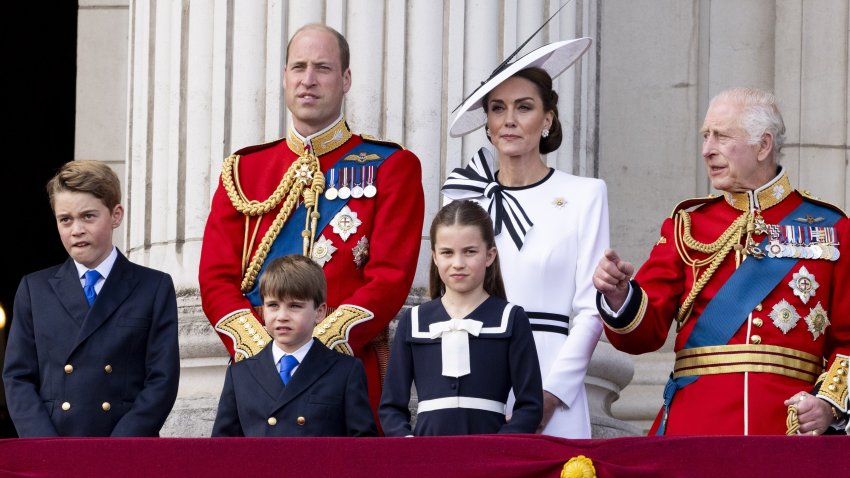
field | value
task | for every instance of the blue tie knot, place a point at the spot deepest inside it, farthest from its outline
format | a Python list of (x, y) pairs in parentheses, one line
[(287, 364), (91, 277)]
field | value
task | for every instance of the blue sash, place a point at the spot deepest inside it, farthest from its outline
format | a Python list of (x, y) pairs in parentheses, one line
[(731, 306), (289, 240)]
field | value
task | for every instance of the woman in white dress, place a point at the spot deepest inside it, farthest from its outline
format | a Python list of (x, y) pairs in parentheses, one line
[(551, 226)]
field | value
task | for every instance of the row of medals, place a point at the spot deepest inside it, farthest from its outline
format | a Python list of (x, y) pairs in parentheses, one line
[(352, 182), (791, 246)]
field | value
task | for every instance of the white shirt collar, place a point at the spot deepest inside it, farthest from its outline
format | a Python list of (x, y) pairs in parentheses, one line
[(104, 267), (299, 354), (307, 139)]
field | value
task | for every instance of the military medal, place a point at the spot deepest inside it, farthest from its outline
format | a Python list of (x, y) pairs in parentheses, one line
[(331, 192), (361, 252), (817, 320), (802, 242), (344, 190), (370, 190), (784, 316), (345, 223), (323, 249), (303, 174), (803, 284), (357, 190)]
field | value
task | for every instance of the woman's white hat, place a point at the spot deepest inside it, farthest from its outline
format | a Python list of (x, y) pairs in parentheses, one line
[(555, 58)]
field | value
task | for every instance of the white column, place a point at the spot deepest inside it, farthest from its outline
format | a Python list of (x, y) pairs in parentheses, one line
[(424, 114), (364, 102), (248, 74), (481, 55)]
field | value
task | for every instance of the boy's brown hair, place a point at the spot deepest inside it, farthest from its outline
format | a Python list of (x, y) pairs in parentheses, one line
[(87, 176), (294, 277)]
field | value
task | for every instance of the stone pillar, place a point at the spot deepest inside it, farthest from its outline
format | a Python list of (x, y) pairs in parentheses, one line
[(175, 127), (812, 87)]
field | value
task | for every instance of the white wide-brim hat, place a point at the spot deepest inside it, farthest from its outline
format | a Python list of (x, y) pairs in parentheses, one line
[(554, 58)]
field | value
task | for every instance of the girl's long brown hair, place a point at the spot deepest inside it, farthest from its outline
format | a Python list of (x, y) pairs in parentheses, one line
[(466, 213)]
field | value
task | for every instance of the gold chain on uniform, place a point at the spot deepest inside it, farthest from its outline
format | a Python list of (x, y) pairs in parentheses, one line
[(303, 178), (717, 252)]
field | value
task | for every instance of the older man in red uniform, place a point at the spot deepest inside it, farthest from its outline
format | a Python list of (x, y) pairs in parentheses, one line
[(352, 203), (756, 281)]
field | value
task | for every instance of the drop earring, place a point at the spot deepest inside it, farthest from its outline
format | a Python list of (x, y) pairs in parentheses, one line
[(545, 133)]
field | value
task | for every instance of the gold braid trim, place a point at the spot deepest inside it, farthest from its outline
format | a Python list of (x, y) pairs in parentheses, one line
[(717, 250), (250, 207), (305, 177), (333, 330), (249, 336), (833, 388), (792, 423)]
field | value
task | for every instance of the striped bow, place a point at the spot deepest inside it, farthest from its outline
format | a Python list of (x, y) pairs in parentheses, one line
[(477, 180)]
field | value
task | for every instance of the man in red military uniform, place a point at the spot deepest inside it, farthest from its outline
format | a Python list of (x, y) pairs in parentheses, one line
[(756, 280), (353, 204)]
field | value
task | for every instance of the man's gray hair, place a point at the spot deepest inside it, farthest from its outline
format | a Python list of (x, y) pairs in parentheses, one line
[(760, 114)]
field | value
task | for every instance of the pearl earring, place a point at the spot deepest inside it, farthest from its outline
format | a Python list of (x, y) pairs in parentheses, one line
[(487, 132), (545, 133)]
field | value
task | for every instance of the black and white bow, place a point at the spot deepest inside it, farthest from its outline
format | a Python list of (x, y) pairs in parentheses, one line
[(477, 180)]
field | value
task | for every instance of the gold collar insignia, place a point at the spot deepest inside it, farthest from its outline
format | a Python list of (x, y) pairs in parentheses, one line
[(764, 197), (321, 143)]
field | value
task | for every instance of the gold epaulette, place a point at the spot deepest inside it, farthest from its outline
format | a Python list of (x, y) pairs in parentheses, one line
[(694, 203), (333, 330), (385, 142), (248, 334), (809, 197), (833, 387)]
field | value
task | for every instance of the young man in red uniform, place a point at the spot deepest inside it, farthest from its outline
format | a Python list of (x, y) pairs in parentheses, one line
[(353, 204), (756, 280)]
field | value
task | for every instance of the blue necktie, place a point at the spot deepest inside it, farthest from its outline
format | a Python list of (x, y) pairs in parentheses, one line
[(88, 288), (287, 363)]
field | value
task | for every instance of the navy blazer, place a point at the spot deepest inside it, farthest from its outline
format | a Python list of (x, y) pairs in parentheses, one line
[(326, 397), (108, 370)]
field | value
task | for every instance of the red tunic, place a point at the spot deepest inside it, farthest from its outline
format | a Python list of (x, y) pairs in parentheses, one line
[(391, 221), (735, 403)]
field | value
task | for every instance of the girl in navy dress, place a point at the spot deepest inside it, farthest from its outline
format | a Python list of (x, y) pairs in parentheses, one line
[(468, 347)]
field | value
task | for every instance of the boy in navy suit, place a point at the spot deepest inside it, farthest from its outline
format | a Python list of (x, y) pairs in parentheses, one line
[(295, 386), (92, 348)]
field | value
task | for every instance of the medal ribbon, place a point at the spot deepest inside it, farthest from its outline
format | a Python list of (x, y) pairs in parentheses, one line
[(370, 176), (477, 180)]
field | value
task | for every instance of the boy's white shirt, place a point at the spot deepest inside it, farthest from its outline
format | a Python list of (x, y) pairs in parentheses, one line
[(278, 353), (104, 268)]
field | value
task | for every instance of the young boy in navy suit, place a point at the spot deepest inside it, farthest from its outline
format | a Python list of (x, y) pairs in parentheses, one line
[(295, 386), (92, 349)]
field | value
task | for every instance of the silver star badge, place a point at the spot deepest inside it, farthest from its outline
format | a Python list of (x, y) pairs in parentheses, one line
[(345, 223), (817, 320), (784, 316), (304, 174), (804, 284), (361, 252), (323, 250)]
